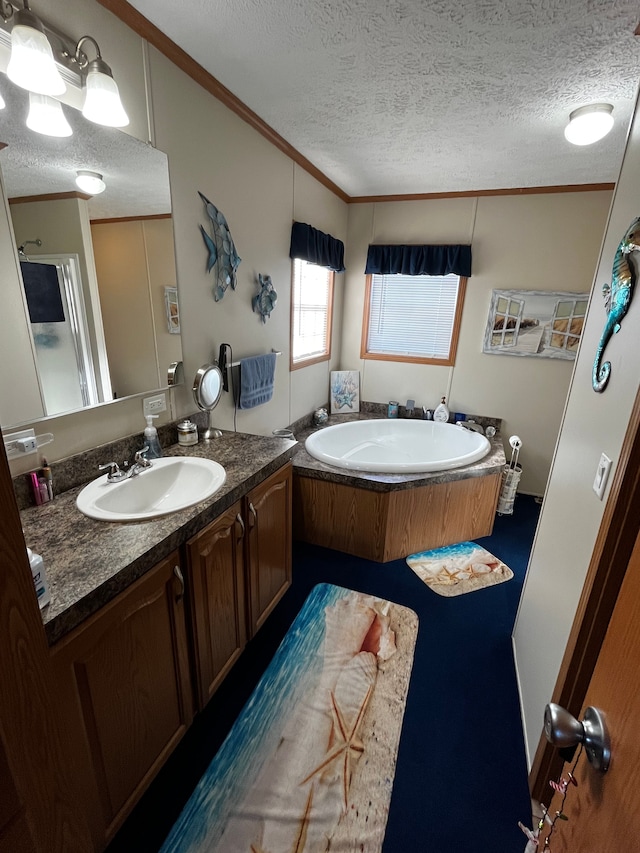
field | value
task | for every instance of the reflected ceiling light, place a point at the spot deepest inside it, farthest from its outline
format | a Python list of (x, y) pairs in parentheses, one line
[(46, 116), (31, 65), (2, 103), (589, 124), (102, 103), (90, 182)]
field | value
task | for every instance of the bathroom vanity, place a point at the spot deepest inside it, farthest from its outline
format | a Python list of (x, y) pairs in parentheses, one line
[(148, 618)]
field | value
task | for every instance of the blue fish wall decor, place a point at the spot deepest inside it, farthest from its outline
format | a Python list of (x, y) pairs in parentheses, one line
[(617, 299), (265, 300), (222, 251)]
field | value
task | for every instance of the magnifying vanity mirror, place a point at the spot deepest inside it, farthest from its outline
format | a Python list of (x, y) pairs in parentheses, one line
[(207, 388), (96, 314)]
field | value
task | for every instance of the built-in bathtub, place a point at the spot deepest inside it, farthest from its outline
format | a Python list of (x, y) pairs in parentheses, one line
[(397, 446), (385, 515)]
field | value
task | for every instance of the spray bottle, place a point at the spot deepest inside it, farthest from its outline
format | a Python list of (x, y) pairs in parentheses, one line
[(151, 439)]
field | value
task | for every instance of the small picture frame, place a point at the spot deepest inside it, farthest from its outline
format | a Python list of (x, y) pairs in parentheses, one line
[(345, 391), (173, 311)]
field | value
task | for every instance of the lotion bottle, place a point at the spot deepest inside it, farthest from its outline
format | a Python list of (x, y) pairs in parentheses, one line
[(441, 413), (151, 439), (39, 578)]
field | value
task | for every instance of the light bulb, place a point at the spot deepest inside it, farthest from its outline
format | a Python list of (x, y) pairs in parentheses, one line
[(90, 182), (102, 103), (31, 65), (589, 124), (46, 116)]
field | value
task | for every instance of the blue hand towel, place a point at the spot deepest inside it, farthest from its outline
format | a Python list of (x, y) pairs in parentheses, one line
[(256, 380)]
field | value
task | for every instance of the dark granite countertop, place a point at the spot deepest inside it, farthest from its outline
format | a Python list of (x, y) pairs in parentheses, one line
[(89, 562), (306, 466)]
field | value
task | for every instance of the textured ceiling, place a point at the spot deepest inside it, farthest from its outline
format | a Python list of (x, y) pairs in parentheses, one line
[(409, 96), (136, 174)]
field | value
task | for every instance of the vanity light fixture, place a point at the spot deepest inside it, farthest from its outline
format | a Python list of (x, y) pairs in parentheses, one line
[(102, 103), (43, 59), (589, 124), (31, 64), (90, 182), (46, 116)]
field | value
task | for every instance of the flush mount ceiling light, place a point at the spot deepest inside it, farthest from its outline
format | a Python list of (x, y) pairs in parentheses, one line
[(31, 65), (102, 103), (46, 116), (589, 124), (90, 182)]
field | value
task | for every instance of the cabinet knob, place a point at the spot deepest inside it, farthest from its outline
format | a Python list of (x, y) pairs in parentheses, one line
[(254, 514), (178, 573), (241, 523)]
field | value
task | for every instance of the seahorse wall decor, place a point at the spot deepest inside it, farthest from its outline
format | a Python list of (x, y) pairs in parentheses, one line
[(617, 299)]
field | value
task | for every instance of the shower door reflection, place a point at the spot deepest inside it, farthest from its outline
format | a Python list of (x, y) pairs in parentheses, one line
[(65, 363)]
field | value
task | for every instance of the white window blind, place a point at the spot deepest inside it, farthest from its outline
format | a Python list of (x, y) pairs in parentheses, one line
[(412, 315), (311, 304)]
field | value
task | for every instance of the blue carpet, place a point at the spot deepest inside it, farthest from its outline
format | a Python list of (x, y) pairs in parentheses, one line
[(461, 777)]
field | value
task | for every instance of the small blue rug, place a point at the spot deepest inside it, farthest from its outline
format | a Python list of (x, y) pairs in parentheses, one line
[(308, 766), (457, 569)]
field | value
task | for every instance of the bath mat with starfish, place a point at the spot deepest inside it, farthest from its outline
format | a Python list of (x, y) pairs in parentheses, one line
[(308, 766), (460, 568)]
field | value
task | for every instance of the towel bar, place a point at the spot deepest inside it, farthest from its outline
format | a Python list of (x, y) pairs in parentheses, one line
[(237, 363)]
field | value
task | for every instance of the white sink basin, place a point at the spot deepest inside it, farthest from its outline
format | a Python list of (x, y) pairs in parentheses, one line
[(172, 483)]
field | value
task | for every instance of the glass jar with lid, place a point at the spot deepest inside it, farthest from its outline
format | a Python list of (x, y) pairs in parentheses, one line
[(187, 433)]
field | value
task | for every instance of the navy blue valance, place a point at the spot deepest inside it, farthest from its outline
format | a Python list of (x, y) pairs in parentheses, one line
[(315, 246), (419, 260)]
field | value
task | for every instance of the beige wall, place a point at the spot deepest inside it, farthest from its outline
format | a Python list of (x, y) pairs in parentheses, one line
[(530, 242), (19, 388), (259, 190), (135, 261), (571, 515)]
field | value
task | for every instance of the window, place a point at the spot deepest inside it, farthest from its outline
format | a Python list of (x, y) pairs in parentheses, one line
[(311, 310), (413, 318)]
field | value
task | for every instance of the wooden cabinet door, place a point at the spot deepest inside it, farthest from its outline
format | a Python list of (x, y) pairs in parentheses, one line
[(268, 517), (127, 672), (216, 590), (15, 834)]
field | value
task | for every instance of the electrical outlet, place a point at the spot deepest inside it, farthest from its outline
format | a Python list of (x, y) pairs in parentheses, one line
[(602, 475), (25, 447), (154, 405)]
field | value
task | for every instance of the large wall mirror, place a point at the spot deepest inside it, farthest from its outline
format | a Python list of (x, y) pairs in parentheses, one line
[(98, 292)]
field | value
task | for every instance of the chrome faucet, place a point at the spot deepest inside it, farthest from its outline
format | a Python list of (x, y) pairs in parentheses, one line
[(140, 462), (472, 425), (116, 474)]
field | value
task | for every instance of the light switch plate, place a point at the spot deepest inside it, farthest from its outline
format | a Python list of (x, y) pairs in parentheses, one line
[(602, 475)]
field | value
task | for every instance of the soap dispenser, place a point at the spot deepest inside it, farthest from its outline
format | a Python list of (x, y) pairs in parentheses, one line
[(151, 439), (441, 413)]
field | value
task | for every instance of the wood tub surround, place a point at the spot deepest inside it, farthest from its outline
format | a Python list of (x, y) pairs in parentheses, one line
[(386, 517)]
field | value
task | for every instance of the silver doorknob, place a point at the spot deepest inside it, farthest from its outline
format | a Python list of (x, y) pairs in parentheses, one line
[(563, 730)]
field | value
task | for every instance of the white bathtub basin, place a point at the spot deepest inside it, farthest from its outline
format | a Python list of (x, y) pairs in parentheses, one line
[(394, 446), (171, 484)]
